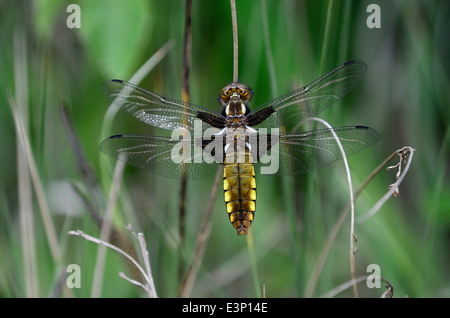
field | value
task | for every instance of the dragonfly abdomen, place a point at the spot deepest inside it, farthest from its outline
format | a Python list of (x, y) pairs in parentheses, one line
[(239, 186)]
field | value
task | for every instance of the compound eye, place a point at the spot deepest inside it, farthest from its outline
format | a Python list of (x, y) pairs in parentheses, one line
[(225, 95), (244, 94)]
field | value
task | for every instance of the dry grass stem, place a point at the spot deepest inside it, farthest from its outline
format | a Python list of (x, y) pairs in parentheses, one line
[(393, 188), (352, 207), (24, 187), (186, 98), (149, 286), (37, 184), (145, 256), (235, 41), (389, 292)]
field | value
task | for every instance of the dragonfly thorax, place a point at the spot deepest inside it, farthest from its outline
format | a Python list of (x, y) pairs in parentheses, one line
[(235, 108)]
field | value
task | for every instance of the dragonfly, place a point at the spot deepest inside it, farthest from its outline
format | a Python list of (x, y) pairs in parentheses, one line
[(242, 140)]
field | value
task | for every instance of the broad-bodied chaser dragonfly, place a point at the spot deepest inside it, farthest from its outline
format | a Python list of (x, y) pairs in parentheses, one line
[(238, 138)]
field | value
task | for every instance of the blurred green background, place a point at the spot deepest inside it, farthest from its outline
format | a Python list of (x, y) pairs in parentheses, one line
[(404, 95)]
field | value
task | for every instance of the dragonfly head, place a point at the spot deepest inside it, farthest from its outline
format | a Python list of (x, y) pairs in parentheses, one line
[(236, 92)]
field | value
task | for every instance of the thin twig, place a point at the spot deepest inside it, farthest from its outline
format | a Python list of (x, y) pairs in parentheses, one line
[(403, 152), (149, 287), (186, 98), (144, 251), (235, 41), (133, 281), (186, 52)]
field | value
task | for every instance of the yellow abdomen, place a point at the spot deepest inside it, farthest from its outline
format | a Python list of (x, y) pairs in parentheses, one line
[(239, 186)]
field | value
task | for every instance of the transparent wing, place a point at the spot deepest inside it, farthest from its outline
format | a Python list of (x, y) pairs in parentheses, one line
[(295, 153), (157, 110), (288, 153), (311, 99), (162, 155)]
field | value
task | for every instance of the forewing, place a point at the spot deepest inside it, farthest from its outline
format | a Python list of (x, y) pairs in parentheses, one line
[(156, 110), (161, 155), (310, 100)]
